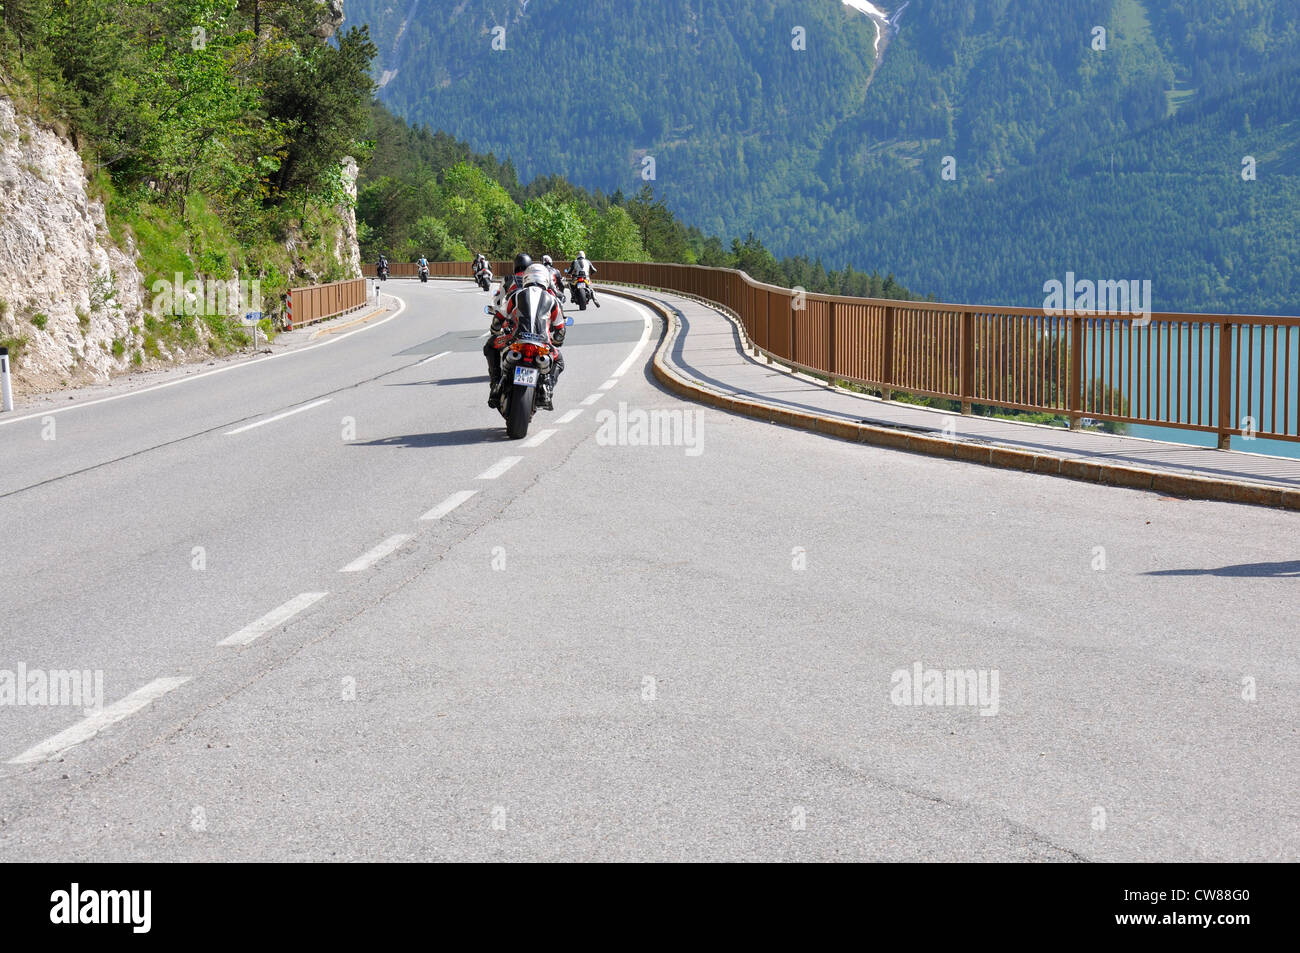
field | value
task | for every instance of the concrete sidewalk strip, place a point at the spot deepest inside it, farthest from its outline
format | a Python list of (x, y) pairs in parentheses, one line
[(703, 357)]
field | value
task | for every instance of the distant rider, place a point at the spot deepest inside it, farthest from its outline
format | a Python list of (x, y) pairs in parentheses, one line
[(580, 267), (557, 279)]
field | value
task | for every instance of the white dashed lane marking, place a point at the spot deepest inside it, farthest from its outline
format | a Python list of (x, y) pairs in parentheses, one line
[(274, 619), (537, 439), (447, 505), (92, 725), (271, 420), (385, 548), (498, 468)]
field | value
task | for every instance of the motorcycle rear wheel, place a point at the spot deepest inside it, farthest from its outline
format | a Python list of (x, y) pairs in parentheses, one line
[(520, 414)]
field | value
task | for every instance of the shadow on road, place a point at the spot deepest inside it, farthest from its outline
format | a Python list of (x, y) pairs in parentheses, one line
[(452, 438), (442, 383), (1258, 570)]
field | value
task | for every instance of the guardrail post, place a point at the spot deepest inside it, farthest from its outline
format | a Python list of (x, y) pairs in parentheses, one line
[(6, 395), (830, 342), (1075, 399), (767, 324), (887, 372), (1225, 386), (769, 296), (966, 345)]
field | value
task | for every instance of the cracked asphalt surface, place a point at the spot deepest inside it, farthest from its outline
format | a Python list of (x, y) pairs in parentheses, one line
[(617, 651)]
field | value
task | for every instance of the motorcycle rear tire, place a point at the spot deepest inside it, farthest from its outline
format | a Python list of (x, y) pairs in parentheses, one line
[(520, 414)]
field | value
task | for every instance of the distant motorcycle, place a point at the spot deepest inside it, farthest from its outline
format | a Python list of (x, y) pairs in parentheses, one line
[(382, 272), (424, 273), (483, 278), (580, 291)]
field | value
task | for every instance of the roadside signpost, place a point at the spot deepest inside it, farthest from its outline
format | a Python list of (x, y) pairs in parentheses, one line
[(252, 317), (6, 395)]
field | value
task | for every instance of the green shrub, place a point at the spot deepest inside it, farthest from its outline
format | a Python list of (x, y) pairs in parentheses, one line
[(15, 345)]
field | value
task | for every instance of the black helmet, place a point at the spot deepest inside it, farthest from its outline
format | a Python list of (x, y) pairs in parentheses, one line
[(522, 262)]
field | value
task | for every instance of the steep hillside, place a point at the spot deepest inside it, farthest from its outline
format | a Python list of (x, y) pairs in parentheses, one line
[(1205, 205), (68, 294), (784, 118), (168, 168)]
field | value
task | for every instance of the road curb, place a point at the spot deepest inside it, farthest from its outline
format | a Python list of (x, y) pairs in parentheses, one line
[(1087, 471)]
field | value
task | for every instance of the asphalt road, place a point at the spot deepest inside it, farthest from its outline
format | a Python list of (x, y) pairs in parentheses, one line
[(610, 650)]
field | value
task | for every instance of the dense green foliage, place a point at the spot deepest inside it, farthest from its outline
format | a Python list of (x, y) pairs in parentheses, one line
[(215, 129), (818, 152), (425, 193), (1168, 204)]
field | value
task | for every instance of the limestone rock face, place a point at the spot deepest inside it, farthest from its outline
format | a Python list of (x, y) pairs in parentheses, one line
[(348, 250), (67, 292), (331, 19)]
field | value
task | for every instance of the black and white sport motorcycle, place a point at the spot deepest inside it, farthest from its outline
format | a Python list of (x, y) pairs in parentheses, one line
[(528, 361), (483, 278)]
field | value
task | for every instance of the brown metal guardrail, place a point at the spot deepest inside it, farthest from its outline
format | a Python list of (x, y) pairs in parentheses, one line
[(312, 303), (1224, 374), (437, 269), (1215, 373)]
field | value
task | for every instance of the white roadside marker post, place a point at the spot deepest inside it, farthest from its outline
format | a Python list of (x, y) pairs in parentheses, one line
[(6, 395)]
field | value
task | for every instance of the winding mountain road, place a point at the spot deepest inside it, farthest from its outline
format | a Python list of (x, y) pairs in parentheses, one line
[(338, 615)]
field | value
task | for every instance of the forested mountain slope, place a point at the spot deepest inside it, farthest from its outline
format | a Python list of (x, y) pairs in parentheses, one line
[(772, 116)]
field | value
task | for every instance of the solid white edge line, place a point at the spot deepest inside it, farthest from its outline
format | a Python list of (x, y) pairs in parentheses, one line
[(273, 619), (92, 725), (447, 505), (571, 416), (271, 420), (434, 358), (219, 370), (612, 382), (645, 336), (385, 548), (498, 468), (537, 439)]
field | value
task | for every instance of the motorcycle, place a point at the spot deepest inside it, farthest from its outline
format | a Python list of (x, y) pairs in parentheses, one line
[(580, 291), (424, 274), (527, 361), (483, 278), (382, 273)]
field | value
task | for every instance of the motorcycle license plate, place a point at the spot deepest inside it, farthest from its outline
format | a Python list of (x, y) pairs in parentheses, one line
[(526, 376)]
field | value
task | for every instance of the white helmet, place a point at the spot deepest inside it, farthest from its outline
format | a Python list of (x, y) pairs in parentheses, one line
[(546, 259), (582, 254)]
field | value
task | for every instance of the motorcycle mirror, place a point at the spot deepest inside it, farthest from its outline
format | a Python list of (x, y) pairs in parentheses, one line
[(487, 310), (568, 320)]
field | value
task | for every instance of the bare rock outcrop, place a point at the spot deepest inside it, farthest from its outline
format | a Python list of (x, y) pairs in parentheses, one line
[(67, 292)]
